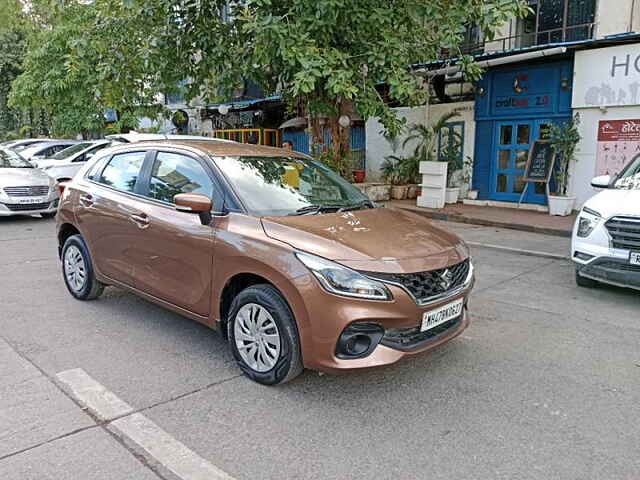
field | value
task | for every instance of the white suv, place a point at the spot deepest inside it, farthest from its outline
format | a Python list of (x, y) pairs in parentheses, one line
[(606, 236)]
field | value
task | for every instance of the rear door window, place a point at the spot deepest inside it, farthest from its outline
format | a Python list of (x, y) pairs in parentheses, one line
[(173, 173), (122, 171)]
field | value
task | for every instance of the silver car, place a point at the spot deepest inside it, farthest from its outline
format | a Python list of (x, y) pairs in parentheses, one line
[(45, 149), (25, 190)]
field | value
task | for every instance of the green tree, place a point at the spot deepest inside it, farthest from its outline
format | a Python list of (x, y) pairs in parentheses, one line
[(326, 57)]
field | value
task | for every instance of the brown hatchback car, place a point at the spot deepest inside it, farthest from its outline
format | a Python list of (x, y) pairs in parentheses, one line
[(291, 262)]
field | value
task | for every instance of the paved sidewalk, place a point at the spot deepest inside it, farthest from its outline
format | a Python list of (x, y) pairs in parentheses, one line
[(524, 220)]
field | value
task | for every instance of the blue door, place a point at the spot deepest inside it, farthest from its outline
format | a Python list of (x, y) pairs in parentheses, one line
[(512, 142)]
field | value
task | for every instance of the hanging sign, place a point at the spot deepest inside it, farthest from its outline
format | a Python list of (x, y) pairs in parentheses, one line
[(618, 143)]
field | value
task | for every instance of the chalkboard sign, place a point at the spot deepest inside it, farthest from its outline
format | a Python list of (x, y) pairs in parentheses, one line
[(540, 163)]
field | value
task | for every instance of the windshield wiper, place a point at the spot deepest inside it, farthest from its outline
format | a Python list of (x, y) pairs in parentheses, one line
[(315, 209), (357, 206)]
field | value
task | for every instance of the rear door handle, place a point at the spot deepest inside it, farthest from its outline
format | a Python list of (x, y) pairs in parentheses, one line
[(86, 200), (140, 219)]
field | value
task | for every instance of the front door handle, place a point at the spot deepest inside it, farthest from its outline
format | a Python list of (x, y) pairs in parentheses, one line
[(86, 200), (140, 219)]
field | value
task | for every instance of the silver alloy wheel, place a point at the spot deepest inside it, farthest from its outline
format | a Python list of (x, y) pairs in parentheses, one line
[(257, 337), (75, 269)]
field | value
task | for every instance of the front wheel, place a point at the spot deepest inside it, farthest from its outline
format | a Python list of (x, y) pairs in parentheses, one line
[(77, 270), (263, 336)]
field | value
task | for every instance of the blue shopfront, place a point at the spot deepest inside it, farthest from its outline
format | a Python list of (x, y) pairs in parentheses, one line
[(514, 107)]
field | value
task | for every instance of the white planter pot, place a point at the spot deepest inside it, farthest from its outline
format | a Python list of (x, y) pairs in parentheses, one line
[(434, 182), (561, 206), (472, 194), (452, 194)]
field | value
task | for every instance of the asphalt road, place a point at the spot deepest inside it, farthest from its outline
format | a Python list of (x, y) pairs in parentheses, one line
[(545, 384)]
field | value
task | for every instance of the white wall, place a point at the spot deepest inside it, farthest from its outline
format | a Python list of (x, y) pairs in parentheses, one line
[(378, 147), (615, 16)]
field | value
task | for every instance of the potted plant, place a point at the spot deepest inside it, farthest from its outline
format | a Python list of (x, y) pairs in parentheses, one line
[(393, 171), (564, 141), (424, 159), (451, 154)]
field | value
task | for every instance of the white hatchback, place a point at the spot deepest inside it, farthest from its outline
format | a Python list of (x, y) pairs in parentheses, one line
[(606, 236)]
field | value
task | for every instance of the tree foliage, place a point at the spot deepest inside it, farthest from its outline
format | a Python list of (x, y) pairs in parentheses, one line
[(327, 58)]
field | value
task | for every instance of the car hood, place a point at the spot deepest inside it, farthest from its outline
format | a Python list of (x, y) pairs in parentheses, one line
[(19, 177), (376, 240), (610, 203)]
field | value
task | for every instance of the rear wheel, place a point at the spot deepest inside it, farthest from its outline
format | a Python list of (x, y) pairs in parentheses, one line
[(263, 336), (77, 270), (585, 282)]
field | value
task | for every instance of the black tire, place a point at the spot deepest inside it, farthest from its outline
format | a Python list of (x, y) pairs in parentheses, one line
[(585, 282), (289, 362), (91, 288), (48, 215)]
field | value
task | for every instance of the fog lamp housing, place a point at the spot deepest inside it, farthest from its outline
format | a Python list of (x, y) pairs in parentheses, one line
[(358, 340)]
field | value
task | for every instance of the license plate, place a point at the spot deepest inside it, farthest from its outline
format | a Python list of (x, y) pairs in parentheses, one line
[(27, 201), (634, 258), (441, 315)]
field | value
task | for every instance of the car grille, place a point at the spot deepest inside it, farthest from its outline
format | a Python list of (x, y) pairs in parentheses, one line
[(33, 191), (408, 338), (425, 286), (24, 207), (625, 232)]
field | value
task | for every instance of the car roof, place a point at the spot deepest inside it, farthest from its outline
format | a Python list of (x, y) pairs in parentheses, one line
[(224, 148), (44, 145), (132, 137)]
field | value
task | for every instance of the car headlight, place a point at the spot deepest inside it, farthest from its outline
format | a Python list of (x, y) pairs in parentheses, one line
[(338, 279), (587, 222)]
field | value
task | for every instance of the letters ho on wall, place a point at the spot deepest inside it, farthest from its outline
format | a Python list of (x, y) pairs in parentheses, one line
[(607, 77)]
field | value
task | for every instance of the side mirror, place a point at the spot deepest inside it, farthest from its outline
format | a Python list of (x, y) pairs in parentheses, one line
[(194, 203), (602, 181)]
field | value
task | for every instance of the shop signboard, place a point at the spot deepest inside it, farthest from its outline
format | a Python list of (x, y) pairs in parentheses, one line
[(607, 77), (618, 143)]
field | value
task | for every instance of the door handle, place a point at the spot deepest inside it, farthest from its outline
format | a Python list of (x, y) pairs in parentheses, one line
[(86, 200), (140, 219)]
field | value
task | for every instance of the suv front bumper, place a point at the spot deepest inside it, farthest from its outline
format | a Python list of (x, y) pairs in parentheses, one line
[(612, 270)]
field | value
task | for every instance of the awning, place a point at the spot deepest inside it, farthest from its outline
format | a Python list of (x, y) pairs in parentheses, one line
[(298, 122), (240, 104)]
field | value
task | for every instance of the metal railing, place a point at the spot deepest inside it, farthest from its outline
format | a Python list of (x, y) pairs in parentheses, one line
[(585, 31)]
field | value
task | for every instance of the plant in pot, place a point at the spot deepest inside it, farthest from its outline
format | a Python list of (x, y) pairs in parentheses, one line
[(564, 141), (425, 140), (393, 172)]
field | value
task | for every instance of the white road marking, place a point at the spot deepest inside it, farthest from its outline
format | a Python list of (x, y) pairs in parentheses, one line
[(102, 403), (158, 444), (172, 454)]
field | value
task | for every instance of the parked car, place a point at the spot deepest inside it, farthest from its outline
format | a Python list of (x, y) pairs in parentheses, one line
[(66, 163), (25, 190), (606, 236), (291, 262), (132, 137), (18, 145), (44, 149)]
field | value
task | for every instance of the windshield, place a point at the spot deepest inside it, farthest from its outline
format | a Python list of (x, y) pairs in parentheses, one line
[(68, 152), (9, 159), (284, 186), (629, 179)]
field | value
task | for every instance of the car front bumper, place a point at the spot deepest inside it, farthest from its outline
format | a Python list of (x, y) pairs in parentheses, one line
[(330, 315), (8, 208), (613, 271)]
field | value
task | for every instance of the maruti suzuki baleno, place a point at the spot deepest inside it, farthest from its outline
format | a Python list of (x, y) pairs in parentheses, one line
[(293, 264)]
